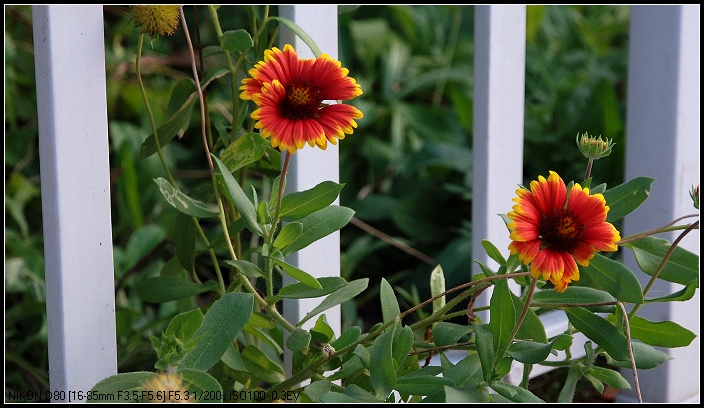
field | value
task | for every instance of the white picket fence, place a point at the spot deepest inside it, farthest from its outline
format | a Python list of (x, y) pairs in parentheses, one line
[(662, 142)]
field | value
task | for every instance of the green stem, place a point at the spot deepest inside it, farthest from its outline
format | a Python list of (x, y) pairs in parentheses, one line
[(665, 228), (589, 169), (665, 258), (519, 322)]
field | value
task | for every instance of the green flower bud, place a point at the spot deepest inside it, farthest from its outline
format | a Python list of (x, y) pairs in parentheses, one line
[(593, 148), (694, 193)]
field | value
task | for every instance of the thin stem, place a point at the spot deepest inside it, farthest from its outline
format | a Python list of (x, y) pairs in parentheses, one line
[(657, 230), (665, 258), (630, 351), (589, 169), (152, 122)]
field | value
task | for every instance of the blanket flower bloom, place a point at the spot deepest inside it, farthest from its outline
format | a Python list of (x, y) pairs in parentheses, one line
[(290, 93), (554, 231)]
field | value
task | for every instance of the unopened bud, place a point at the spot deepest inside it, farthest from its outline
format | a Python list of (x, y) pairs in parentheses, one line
[(594, 148)]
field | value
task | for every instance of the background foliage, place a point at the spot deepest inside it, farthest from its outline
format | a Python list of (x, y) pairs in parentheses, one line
[(415, 66)]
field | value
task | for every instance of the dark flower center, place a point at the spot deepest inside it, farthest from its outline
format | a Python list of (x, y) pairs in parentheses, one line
[(301, 102), (560, 230)]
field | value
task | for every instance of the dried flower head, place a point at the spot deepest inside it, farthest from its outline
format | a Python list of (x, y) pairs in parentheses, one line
[(166, 387), (156, 20)]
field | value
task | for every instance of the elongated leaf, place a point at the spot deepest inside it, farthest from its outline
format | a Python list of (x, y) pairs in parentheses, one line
[(446, 333), (295, 206), (184, 203), (515, 393), (646, 357), (184, 325), (184, 238), (532, 327), (681, 295), (502, 315), (403, 342), (247, 268), (493, 252), (236, 40), (169, 129), (300, 33), (121, 386), (576, 296), (288, 234), (202, 386), (663, 334), (162, 289), (339, 296), (422, 384), (469, 369), (348, 337), (625, 198), (247, 149), (212, 75), (485, 349), (302, 291), (221, 324), (140, 244), (437, 286), (318, 225), (233, 359), (567, 392), (239, 199), (600, 331), (682, 267), (611, 377), (612, 277), (298, 340), (260, 365), (382, 370), (529, 352), (297, 274), (389, 303)]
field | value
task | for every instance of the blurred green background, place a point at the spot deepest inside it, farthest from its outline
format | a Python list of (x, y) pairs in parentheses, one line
[(407, 168)]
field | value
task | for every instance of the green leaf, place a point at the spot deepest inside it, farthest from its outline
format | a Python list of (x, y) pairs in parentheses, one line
[(626, 197), (318, 225), (300, 33), (321, 331), (502, 314), (302, 291), (184, 239), (515, 393), (297, 274), (298, 340), (493, 252), (382, 365), (120, 386), (169, 129), (288, 234), (422, 384), (568, 389), (532, 327), (469, 369), (339, 296), (646, 357), (247, 149), (239, 199), (184, 203), (261, 366), (349, 368), (529, 352), (611, 377), (682, 267), (201, 385), (232, 359), (455, 396), (347, 337), (437, 286), (295, 206), (223, 321), (140, 244), (576, 296), (403, 342), (247, 268), (613, 277), (681, 295), (600, 331), (184, 325), (236, 40), (162, 289), (485, 349), (446, 333), (663, 334), (389, 304), (212, 75)]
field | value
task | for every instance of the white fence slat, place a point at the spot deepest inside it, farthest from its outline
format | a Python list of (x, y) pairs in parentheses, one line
[(75, 184), (499, 99), (310, 166), (663, 143)]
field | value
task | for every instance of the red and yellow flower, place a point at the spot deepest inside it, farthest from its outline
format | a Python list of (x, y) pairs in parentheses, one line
[(553, 231), (291, 95)]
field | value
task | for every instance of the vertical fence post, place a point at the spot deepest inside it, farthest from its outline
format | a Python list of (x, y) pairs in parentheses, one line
[(499, 99), (663, 143), (75, 184), (310, 166)]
